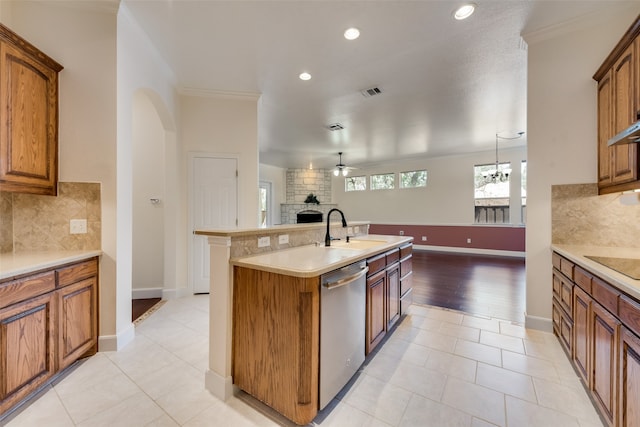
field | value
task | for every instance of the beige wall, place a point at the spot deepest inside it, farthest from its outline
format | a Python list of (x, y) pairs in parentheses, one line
[(562, 130)]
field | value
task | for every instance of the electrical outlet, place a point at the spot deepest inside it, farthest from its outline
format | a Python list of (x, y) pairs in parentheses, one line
[(402, 232), (283, 239), (264, 241), (356, 230), (468, 240), (78, 226), (350, 231), (424, 238)]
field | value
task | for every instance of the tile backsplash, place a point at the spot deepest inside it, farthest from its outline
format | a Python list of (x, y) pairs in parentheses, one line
[(580, 217), (40, 223)]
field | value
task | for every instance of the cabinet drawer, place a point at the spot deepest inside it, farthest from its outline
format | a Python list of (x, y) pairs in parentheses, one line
[(76, 272), (18, 290), (605, 295), (406, 250), (406, 266), (566, 296), (630, 313), (557, 286), (393, 256), (376, 264), (406, 283), (582, 279), (555, 259), (566, 267)]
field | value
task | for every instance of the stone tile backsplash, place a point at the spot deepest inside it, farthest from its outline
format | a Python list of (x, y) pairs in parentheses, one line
[(580, 217), (40, 223)]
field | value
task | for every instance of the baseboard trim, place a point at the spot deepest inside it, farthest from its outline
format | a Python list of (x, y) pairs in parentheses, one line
[(513, 254), (539, 323), (219, 386), (118, 341), (175, 293), (145, 293)]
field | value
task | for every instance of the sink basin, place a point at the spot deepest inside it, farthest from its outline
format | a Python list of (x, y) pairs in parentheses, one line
[(357, 244)]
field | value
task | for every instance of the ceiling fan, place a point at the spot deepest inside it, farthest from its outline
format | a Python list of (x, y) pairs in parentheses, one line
[(341, 168)]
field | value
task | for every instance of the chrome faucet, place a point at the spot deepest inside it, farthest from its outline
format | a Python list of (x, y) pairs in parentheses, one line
[(327, 237)]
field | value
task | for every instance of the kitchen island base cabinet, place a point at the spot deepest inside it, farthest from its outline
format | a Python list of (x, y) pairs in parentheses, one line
[(629, 379), (276, 340)]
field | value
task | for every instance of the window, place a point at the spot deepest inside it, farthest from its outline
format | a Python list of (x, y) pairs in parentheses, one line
[(355, 183), (492, 193), (413, 179), (383, 182)]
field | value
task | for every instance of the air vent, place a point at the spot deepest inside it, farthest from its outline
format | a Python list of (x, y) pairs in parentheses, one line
[(373, 91), (335, 126)]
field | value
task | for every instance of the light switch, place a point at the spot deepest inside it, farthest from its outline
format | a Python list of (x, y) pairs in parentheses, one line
[(283, 239), (264, 241)]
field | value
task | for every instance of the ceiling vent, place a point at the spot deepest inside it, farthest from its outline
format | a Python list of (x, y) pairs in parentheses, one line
[(373, 91), (335, 126)]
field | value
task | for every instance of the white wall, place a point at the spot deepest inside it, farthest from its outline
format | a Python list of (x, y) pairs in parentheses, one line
[(447, 199), (226, 125), (562, 131), (278, 179), (148, 182), (83, 40)]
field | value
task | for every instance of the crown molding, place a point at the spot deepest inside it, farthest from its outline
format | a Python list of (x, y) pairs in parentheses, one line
[(221, 94)]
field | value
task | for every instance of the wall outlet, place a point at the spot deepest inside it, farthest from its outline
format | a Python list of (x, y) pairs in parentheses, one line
[(283, 239), (264, 241), (468, 240), (350, 231), (78, 226), (356, 230), (424, 238), (402, 232)]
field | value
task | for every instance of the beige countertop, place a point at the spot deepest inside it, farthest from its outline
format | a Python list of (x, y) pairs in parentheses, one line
[(624, 283), (274, 229), (16, 264), (312, 260)]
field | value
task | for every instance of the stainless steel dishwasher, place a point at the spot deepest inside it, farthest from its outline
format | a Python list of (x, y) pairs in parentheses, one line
[(342, 327)]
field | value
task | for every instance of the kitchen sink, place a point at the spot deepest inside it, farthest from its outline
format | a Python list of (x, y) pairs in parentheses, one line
[(357, 244)]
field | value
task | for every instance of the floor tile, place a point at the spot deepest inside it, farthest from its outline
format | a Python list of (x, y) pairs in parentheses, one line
[(459, 331), (492, 325), (136, 410), (346, 415), (452, 365), (476, 400), (506, 381), (539, 368), (479, 352), (502, 341), (48, 411), (405, 351), (379, 399), (574, 401), (446, 316), (526, 414), (421, 412), (425, 382), (436, 341)]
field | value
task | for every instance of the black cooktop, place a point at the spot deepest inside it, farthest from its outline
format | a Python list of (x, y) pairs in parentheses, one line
[(630, 267)]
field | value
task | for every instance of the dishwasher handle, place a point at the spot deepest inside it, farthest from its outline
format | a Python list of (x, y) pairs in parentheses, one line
[(346, 280)]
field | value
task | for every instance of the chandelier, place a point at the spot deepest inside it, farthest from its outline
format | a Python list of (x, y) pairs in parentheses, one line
[(499, 174)]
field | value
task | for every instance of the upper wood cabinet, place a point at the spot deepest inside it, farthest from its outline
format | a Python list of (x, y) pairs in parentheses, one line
[(618, 107), (28, 117)]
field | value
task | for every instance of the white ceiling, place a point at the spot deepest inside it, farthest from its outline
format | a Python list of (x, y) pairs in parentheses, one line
[(447, 86)]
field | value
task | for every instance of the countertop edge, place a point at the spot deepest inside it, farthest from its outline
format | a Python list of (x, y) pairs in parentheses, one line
[(577, 254), (18, 264), (358, 255), (273, 229)]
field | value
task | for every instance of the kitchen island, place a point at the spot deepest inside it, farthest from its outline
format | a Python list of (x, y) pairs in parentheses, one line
[(281, 313)]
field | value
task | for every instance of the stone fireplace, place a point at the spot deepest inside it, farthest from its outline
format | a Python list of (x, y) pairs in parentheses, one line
[(300, 183)]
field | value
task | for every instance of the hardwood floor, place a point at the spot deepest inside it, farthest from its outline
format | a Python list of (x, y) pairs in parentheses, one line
[(140, 306), (477, 284)]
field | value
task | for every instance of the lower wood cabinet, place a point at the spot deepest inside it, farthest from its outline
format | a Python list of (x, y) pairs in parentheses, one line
[(376, 324), (582, 334), (48, 320), (629, 395), (605, 332), (393, 294)]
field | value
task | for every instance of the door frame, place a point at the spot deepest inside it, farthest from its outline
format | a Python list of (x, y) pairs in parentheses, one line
[(192, 155), (268, 185)]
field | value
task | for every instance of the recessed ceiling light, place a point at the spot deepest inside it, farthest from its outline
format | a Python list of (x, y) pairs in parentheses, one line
[(305, 76), (351, 33), (464, 11)]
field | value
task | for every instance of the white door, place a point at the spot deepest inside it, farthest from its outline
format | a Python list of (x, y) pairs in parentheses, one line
[(214, 205)]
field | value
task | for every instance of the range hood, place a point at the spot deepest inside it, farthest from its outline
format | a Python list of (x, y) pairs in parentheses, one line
[(627, 136)]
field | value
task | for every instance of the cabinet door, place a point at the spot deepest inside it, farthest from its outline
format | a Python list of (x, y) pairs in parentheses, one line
[(376, 330), (624, 165), (393, 295), (605, 334), (27, 348), (629, 379), (29, 114), (78, 321), (582, 336), (605, 130)]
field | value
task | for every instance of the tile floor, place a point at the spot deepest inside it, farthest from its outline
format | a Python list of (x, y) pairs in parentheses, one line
[(439, 368)]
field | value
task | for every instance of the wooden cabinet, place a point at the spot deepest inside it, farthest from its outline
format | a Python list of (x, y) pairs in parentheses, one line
[(562, 302), (605, 333), (48, 320), (406, 277), (618, 107), (29, 117), (388, 288), (629, 394), (606, 346), (276, 341)]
